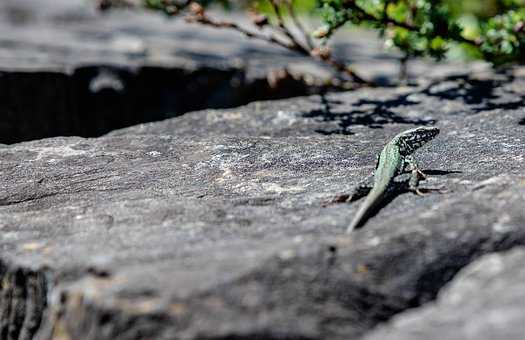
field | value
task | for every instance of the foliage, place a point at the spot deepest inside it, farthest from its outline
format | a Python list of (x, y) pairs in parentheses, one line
[(493, 30), (432, 27)]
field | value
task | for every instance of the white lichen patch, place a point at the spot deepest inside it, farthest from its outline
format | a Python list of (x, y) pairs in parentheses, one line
[(32, 246), (226, 175), (285, 118), (278, 189), (503, 225), (232, 115), (154, 153), (56, 152)]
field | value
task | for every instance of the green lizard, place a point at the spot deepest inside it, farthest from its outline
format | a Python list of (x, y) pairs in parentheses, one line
[(394, 160)]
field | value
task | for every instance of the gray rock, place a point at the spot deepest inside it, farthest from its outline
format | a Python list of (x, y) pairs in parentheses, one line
[(459, 101), (485, 301), (217, 224), (67, 70), (93, 100)]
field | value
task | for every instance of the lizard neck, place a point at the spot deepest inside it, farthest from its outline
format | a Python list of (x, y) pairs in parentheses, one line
[(390, 162)]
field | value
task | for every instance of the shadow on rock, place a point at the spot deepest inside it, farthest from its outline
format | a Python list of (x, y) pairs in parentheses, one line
[(376, 117), (479, 94), (399, 187)]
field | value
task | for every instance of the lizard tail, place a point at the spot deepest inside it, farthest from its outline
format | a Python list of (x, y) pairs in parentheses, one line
[(363, 212)]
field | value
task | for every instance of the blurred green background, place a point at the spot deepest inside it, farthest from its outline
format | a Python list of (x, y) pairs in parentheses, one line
[(476, 8)]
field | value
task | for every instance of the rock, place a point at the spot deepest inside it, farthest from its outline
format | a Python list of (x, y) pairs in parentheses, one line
[(485, 301), (93, 100), (218, 224), (446, 101), (67, 70)]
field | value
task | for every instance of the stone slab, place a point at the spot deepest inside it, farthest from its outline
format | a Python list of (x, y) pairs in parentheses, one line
[(215, 224)]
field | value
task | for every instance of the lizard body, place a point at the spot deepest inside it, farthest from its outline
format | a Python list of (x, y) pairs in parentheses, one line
[(394, 160)]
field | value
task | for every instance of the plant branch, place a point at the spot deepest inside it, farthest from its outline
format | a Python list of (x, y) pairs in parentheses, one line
[(292, 44), (282, 26), (207, 21), (280, 34), (298, 24), (386, 19)]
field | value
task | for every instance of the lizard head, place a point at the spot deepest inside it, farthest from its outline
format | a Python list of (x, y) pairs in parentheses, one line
[(411, 140)]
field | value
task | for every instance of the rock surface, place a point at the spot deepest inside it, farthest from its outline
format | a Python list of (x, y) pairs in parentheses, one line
[(217, 224), (68, 70), (485, 301)]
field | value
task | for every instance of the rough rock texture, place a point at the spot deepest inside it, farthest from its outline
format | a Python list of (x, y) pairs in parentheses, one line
[(67, 70), (485, 301), (217, 224), (93, 100)]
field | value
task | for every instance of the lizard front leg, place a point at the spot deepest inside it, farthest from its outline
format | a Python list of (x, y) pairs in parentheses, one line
[(413, 184), (416, 176), (410, 165)]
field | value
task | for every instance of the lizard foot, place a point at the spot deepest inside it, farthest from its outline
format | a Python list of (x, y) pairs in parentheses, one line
[(359, 192), (418, 192), (420, 174), (427, 191), (342, 198)]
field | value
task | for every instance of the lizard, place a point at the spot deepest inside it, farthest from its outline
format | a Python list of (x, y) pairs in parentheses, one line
[(395, 158)]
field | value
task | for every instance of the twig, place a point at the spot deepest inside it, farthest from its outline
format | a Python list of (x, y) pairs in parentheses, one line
[(282, 26), (341, 67), (104, 5), (285, 39), (199, 16), (385, 11), (205, 20), (298, 24)]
